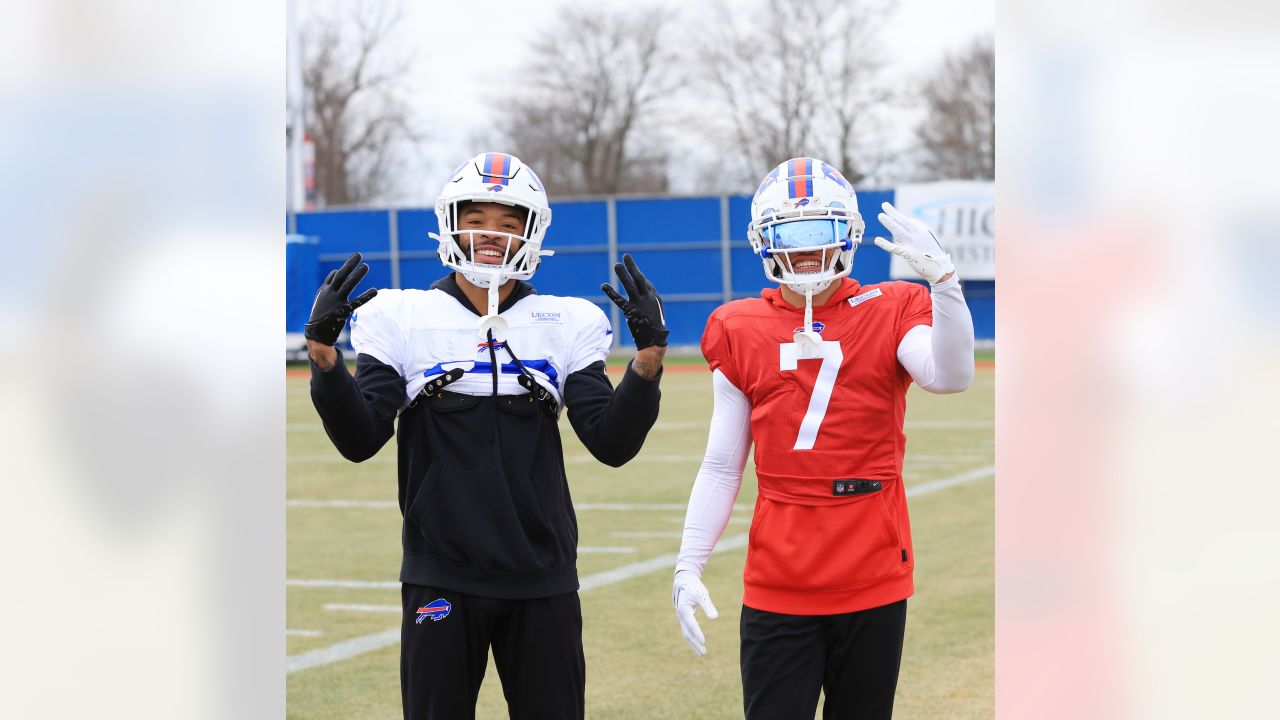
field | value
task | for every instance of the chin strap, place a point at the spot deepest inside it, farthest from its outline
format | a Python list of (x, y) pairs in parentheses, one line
[(808, 341), (808, 310), (494, 286)]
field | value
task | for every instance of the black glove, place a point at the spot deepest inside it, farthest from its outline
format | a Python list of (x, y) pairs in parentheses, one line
[(644, 309), (332, 308)]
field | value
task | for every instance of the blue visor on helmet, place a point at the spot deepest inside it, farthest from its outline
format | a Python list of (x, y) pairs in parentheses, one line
[(807, 233)]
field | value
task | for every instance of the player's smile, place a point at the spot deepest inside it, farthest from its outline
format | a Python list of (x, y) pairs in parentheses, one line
[(488, 251), (806, 262)]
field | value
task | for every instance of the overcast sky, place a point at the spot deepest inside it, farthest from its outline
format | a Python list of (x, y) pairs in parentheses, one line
[(467, 52)]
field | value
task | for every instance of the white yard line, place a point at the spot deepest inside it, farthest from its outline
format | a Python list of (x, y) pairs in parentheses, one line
[(290, 632), (363, 504), (367, 643), (342, 651), (962, 478)]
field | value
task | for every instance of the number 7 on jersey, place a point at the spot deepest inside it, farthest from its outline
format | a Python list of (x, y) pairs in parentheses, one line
[(832, 357)]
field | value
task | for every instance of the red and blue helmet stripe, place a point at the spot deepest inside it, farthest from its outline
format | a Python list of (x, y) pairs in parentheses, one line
[(800, 178), (496, 168)]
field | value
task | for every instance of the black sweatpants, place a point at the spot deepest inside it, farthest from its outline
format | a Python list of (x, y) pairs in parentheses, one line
[(853, 658), (444, 650)]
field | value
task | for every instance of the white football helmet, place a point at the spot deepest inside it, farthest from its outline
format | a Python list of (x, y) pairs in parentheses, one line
[(496, 178), (805, 205)]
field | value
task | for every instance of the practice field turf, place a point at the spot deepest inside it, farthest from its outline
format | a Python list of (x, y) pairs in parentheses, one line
[(344, 553)]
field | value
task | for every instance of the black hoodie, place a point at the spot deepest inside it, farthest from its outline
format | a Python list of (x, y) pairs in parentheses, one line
[(483, 489)]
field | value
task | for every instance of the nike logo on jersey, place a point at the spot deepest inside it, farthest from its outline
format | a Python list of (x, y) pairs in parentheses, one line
[(857, 300)]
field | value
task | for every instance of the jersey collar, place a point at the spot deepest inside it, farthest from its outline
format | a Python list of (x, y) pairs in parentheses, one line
[(848, 288), (449, 284)]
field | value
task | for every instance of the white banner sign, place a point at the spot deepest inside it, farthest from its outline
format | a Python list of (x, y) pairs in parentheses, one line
[(962, 213)]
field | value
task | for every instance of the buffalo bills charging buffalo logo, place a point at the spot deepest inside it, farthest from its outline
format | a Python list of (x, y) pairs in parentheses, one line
[(818, 327), (437, 610)]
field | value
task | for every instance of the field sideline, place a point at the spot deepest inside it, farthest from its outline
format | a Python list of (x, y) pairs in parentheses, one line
[(343, 550)]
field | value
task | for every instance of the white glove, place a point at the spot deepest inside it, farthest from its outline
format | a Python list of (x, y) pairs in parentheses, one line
[(687, 592), (914, 242)]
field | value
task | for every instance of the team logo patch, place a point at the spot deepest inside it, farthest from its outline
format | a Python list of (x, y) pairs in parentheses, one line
[(495, 188), (802, 202), (857, 300), (818, 327), (546, 317), (486, 345), (437, 610)]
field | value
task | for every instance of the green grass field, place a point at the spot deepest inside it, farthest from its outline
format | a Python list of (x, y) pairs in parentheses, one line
[(638, 666)]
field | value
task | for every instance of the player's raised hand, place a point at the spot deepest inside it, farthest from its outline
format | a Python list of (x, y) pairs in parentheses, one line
[(643, 307), (687, 592), (914, 242), (331, 309)]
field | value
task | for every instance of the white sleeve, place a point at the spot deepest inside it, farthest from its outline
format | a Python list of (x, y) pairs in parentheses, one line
[(374, 330), (719, 478), (593, 337), (940, 358)]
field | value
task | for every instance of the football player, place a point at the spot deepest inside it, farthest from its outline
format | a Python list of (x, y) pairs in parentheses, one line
[(815, 372), (472, 376)]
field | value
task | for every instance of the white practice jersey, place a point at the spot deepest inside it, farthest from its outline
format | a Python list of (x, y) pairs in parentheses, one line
[(426, 333)]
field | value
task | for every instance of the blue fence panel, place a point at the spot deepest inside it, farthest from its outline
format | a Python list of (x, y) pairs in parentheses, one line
[(419, 266), (578, 223), (981, 298), (345, 231), (676, 242), (340, 233), (302, 279), (579, 235)]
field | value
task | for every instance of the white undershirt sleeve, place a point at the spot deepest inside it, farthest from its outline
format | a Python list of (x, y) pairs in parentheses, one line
[(940, 358), (719, 478)]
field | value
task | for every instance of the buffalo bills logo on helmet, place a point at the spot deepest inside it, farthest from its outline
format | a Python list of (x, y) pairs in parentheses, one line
[(835, 175), (437, 610), (802, 202), (769, 179), (495, 188)]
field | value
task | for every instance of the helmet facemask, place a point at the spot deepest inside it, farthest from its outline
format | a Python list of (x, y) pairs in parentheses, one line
[(787, 235), (458, 248)]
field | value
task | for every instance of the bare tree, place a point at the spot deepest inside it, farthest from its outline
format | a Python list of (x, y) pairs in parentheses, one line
[(958, 135), (798, 77), (357, 116), (587, 116)]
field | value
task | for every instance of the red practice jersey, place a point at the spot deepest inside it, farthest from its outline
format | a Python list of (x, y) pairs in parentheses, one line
[(830, 532)]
